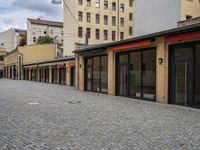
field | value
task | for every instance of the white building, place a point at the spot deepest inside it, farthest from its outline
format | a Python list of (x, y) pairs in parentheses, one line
[(38, 27), (158, 15), (11, 38)]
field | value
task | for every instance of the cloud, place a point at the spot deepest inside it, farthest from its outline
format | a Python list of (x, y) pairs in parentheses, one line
[(43, 6), (14, 13)]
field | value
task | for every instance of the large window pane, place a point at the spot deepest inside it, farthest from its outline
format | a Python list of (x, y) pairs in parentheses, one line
[(89, 74), (183, 53), (104, 74), (197, 76), (135, 74), (149, 74), (96, 74)]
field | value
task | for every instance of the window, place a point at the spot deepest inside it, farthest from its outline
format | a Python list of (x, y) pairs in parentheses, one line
[(80, 16), (114, 6), (97, 19), (122, 22), (34, 30), (97, 74), (106, 4), (121, 7), (131, 16), (39, 30), (106, 20), (88, 32), (197, 76), (88, 3), (113, 21), (113, 35), (34, 39), (51, 31), (130, 30), (62, 33), (88, 17), (1, 58), (80, 32), (131, 3), (97, 3), (105, 34), (149, 74), (62, 41), (97, 34), (80, 2), (121, 35)]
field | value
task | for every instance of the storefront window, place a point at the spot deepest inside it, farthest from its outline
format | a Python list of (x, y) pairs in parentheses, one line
[(104, 74), (135, 74), (149, 74), (96, 74), (197, 77)]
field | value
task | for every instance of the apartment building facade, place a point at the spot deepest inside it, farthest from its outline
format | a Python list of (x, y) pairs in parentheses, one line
[(159, 15), (11, 38), (39, 27), (99, 21)]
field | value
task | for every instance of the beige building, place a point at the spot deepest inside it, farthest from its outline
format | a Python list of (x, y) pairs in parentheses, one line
[(189, 9), (163, 67), (2, 54), (101, 20), (10, 39), (14, 60), (39, 27)]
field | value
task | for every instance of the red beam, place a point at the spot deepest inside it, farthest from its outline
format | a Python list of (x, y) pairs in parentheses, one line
[(131, 46), (182, 37), (61, 65)]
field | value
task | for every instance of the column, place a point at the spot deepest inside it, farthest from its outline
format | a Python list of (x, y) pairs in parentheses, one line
[(38, 74), (29, 78), (111, 72), (162, 72), (81, 73), (50, 74), (68, 78)]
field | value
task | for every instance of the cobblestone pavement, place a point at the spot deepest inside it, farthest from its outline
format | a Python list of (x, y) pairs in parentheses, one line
[(39, 116)]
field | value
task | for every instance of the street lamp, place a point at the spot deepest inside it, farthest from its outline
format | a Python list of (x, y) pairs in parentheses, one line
[(56, 1)]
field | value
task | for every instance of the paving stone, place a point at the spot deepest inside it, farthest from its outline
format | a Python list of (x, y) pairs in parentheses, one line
[(39, 116)]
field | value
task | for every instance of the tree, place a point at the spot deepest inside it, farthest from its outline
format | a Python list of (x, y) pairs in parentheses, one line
[(45, 40)]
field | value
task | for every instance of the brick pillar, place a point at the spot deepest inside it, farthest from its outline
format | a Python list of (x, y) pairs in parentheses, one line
[(111, 73), (38, 74), (68, 76), (50, 75), (12, 72), (29, 70), (162, 72), (81, 68)]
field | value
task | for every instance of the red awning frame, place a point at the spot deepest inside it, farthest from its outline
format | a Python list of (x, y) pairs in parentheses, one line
[(183, 37), (71, 65), (131, 46), (61, 65)]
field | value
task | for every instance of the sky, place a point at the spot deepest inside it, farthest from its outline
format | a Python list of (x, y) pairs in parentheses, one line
[(13, 13)]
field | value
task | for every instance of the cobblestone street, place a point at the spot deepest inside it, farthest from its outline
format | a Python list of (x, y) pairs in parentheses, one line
[(39, 116)]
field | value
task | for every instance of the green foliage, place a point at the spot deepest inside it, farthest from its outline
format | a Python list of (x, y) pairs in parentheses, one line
[(45, 40)]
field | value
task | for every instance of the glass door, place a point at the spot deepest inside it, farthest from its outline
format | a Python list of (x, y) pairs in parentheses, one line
[(123, 80), (183, 83)]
